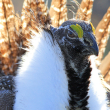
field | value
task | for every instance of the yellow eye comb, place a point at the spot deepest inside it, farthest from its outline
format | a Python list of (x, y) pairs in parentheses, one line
[(93, 29), (78, 29)]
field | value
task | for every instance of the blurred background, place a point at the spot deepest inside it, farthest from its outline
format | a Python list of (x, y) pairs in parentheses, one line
[(99, 9)]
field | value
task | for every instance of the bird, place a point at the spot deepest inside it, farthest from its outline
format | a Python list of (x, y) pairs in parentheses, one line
[(56, 72)]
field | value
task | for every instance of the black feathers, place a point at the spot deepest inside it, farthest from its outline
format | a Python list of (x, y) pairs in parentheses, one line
[(78, 88)]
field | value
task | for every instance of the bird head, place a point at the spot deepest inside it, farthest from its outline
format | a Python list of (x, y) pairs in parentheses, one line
[(76, 38)]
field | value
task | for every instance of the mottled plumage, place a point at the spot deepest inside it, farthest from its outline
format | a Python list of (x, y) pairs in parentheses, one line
[(6, 93)]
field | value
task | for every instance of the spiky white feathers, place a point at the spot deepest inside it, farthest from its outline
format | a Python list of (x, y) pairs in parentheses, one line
[(41, 83)]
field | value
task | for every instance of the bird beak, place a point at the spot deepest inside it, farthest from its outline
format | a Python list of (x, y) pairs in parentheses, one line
[(94, 48)]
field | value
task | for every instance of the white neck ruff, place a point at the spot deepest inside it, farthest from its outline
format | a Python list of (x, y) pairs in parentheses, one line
[(41, 82), (97, 93)]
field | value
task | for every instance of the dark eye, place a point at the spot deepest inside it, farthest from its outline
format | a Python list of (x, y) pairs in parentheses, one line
[(71, 34)]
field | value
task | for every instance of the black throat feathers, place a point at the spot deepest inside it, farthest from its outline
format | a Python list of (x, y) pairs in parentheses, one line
[(78, 88)]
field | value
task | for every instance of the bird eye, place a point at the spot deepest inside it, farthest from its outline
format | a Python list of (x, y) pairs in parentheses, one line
[(71, 34)]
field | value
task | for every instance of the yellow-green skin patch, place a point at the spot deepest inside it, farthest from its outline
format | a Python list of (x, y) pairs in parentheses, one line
[(93, 29), (78, 29)]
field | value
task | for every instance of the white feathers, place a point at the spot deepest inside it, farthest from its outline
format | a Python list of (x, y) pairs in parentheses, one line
[(97, 93), (41, 83)]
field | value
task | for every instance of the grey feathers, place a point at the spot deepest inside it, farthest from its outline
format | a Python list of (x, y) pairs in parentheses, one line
[(6, 100), (6, 92), (6, 82)]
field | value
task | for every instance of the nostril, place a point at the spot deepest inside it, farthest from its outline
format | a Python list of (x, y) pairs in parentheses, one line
[(87, 42)]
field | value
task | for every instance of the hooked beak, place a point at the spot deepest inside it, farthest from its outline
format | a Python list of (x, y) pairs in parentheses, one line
[(94, 48)]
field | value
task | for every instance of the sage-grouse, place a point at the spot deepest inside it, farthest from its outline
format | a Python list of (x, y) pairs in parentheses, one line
[(55, 73)]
